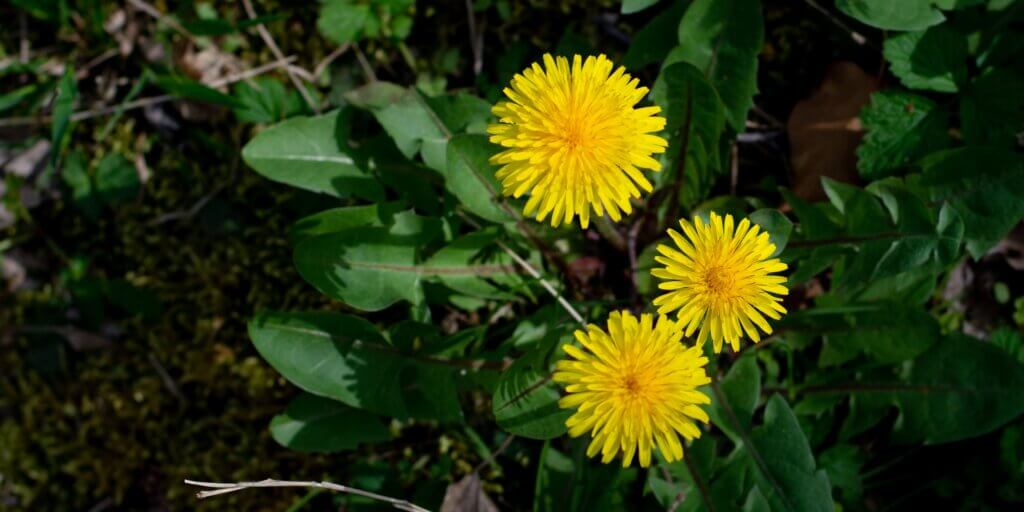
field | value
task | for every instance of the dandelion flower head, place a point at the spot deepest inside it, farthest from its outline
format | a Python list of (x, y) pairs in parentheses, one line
[(573, 138), (719, 279), (634, 388)]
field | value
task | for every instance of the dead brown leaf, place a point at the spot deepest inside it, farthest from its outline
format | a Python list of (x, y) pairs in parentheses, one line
[(825, 130), (467, 495)]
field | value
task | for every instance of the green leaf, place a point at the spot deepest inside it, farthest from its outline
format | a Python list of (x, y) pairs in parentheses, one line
[(412, 125), (265, 100), (695, 119), (649, 44), (185, 88), (11, 99), (344, 357), (992, 108), (117, 181), (742, 390), (340, 219), (722, 38), (893, 234), (342, 21), (961, 388), (469, 176), (83, 191), (525, 402), (67, 91), (421, 124), (889, 333), (375, 95), (304, 152), (984, 185), (777, 225), (371, 267), (631, 6), (316, 424), (471, 265), (901, 128), (784, 467), (893, 15), (934, 59)]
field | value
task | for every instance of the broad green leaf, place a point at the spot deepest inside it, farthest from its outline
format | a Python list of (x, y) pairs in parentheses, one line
[(370, 267), (473, 266), (992, 108), (959, 389), (901, 128), (83, 190), (342, 21), (265, 100), (304, 152), (695, 119), (985, 186), (188, 89), (893, 15), (962, 388), (949, 5), (316, 424), (889, 333), (777, 225), (722, 38), (344, 357), (116, 180), (421, 124), (742, 390), (526, 402), (783, 465), (469, 176), (631, 6), (934, 59), (67, 91), (649, 44), (375, 95), (340, 219), (890, 232), (412, 125)]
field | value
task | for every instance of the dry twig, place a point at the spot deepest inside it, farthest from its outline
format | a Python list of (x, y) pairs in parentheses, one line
[(225, 488), (269, 40)]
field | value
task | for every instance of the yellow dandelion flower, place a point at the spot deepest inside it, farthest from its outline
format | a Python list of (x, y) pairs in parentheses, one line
[(574, 140), (634, 388), (719, 278)]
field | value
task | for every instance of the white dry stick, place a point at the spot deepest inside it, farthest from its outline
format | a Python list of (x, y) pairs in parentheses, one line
[(265, 35), (547, 286), (225, 488)]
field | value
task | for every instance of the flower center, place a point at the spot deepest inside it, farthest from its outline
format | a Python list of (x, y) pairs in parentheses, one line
[(718, 281), (576, 136)]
